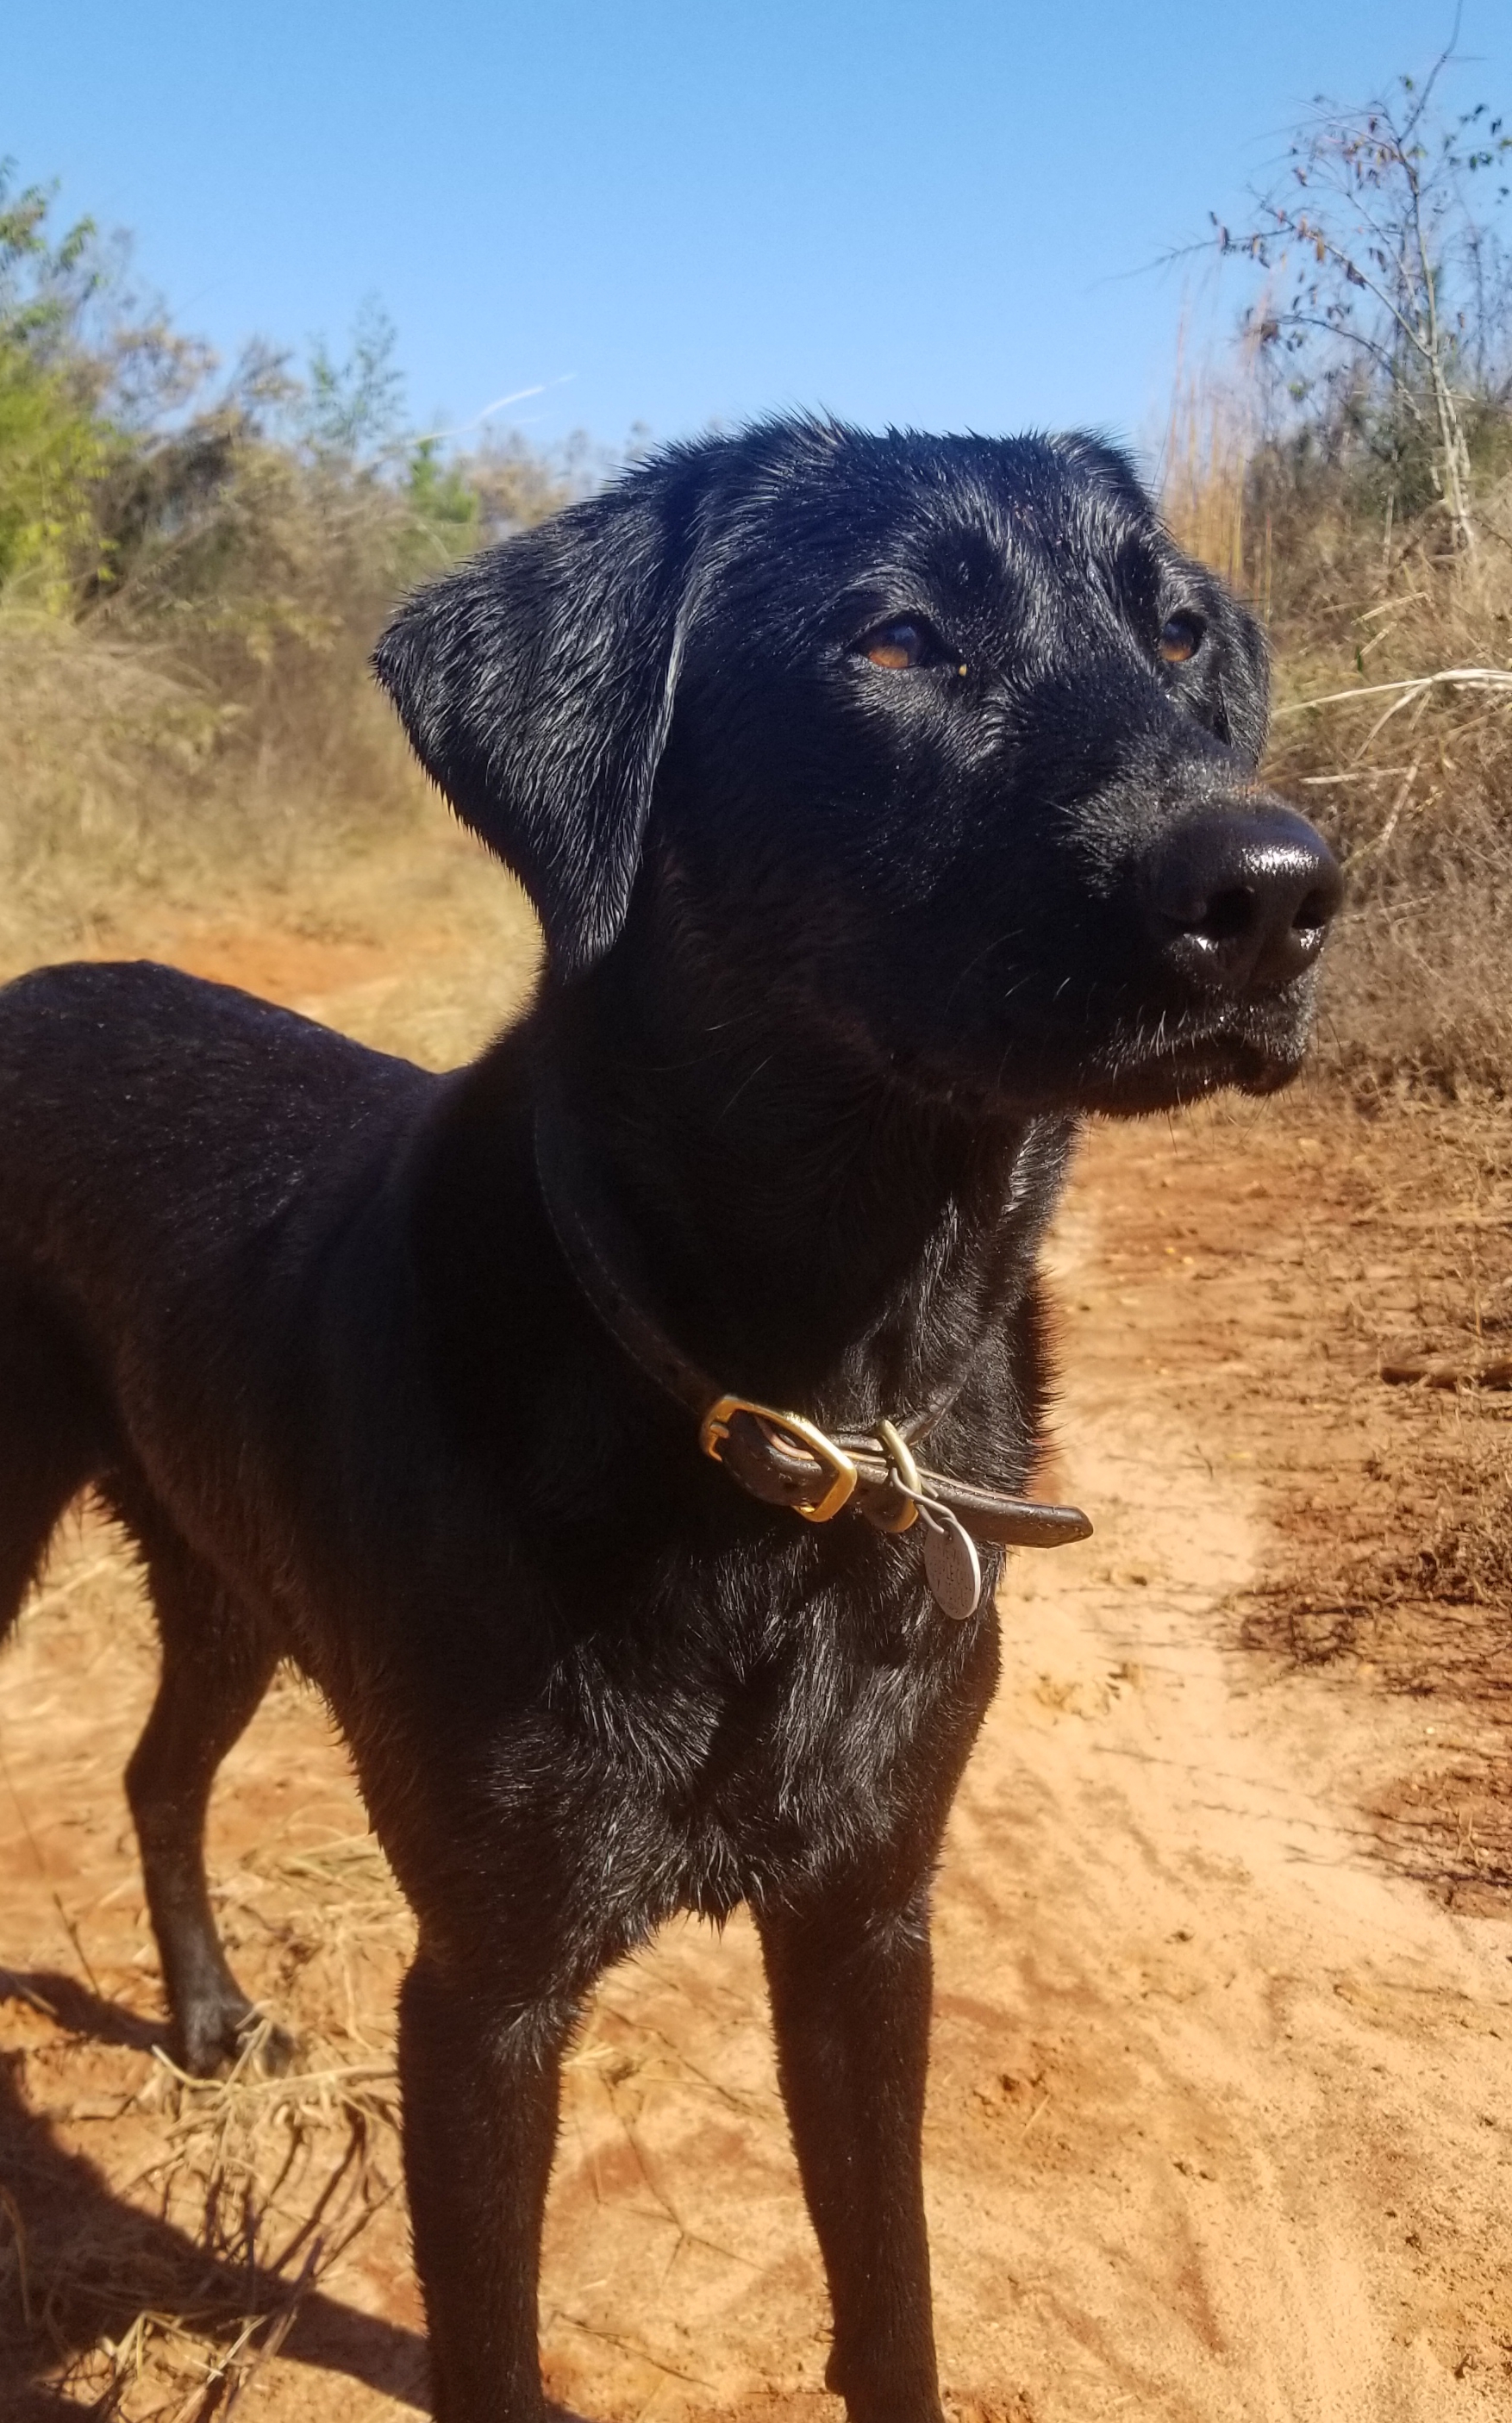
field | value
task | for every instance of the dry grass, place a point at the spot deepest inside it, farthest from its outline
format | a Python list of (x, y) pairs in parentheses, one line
[(164, 2295), (126, 777), (1393, 723), (271, 2179), (197, 717), (1210, 441), (1406, 758)]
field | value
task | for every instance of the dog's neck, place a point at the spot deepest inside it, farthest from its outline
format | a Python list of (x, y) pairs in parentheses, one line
[(804, 1226)]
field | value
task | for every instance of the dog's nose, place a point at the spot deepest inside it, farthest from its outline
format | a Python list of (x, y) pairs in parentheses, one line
[(1240, 899)]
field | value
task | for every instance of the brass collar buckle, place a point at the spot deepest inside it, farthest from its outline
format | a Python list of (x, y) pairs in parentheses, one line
[(792, 1431)]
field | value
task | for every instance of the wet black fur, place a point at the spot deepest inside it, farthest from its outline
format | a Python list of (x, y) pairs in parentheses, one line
[(837, 956)]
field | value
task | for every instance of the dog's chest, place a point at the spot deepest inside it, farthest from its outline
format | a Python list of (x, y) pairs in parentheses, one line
[(740, 1783)]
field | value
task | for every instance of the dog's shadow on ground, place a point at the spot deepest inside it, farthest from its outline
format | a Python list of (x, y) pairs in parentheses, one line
[(78, 2264)]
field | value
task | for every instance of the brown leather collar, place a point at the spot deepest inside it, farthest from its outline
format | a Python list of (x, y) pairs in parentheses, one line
[(778, 1457)]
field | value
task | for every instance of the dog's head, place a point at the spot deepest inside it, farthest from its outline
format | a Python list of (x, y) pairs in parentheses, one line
[(939, 741)]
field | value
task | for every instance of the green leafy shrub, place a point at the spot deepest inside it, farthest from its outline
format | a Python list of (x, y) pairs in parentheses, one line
[(192, 569)]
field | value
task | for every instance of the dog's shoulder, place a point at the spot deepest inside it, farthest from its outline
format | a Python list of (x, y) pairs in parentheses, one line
[(141, 1010), (178, 1044), (131, 1091)]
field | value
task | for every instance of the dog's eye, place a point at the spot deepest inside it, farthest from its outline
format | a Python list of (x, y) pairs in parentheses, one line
[(1180, 636), (900, 647)]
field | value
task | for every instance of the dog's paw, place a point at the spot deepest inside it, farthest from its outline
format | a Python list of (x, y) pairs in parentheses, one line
[(218, 2038)]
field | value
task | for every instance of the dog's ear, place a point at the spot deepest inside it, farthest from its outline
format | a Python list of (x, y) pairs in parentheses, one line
[(536, 684)]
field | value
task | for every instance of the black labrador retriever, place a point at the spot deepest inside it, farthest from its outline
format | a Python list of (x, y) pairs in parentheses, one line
[(888, 803)]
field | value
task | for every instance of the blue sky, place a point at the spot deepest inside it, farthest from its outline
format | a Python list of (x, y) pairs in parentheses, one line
[(682, 210)]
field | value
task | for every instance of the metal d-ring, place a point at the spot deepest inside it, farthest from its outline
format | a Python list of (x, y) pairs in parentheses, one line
[(906, 1473)]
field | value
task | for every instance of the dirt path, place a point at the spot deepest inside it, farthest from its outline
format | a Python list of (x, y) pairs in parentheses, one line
[(1218, 2122), (1254, 2159)]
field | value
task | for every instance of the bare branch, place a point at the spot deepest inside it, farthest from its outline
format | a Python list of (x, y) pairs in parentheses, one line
[(1383, 264)]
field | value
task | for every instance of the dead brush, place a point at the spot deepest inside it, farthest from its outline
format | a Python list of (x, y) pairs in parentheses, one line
[(129, 774), (1210, 441), (164, 2295), (190, 585), (262, 2185), (1393, 723), (86, 729), (339, 1918), (1395, 719)]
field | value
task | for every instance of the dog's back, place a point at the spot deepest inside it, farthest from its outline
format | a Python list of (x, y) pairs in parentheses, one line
[(156, 1135), (131, 1096)]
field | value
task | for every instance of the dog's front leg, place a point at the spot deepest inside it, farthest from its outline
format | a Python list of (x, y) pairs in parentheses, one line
[(851, 2007), (480, 2075)]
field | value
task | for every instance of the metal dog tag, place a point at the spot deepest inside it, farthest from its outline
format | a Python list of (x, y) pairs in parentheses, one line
[(951, 1565)]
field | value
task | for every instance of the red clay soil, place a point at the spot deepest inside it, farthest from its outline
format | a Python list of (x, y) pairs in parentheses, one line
[(1218, 2123)]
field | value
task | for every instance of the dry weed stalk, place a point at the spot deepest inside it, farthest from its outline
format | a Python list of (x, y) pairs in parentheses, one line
[(1210, 440)]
